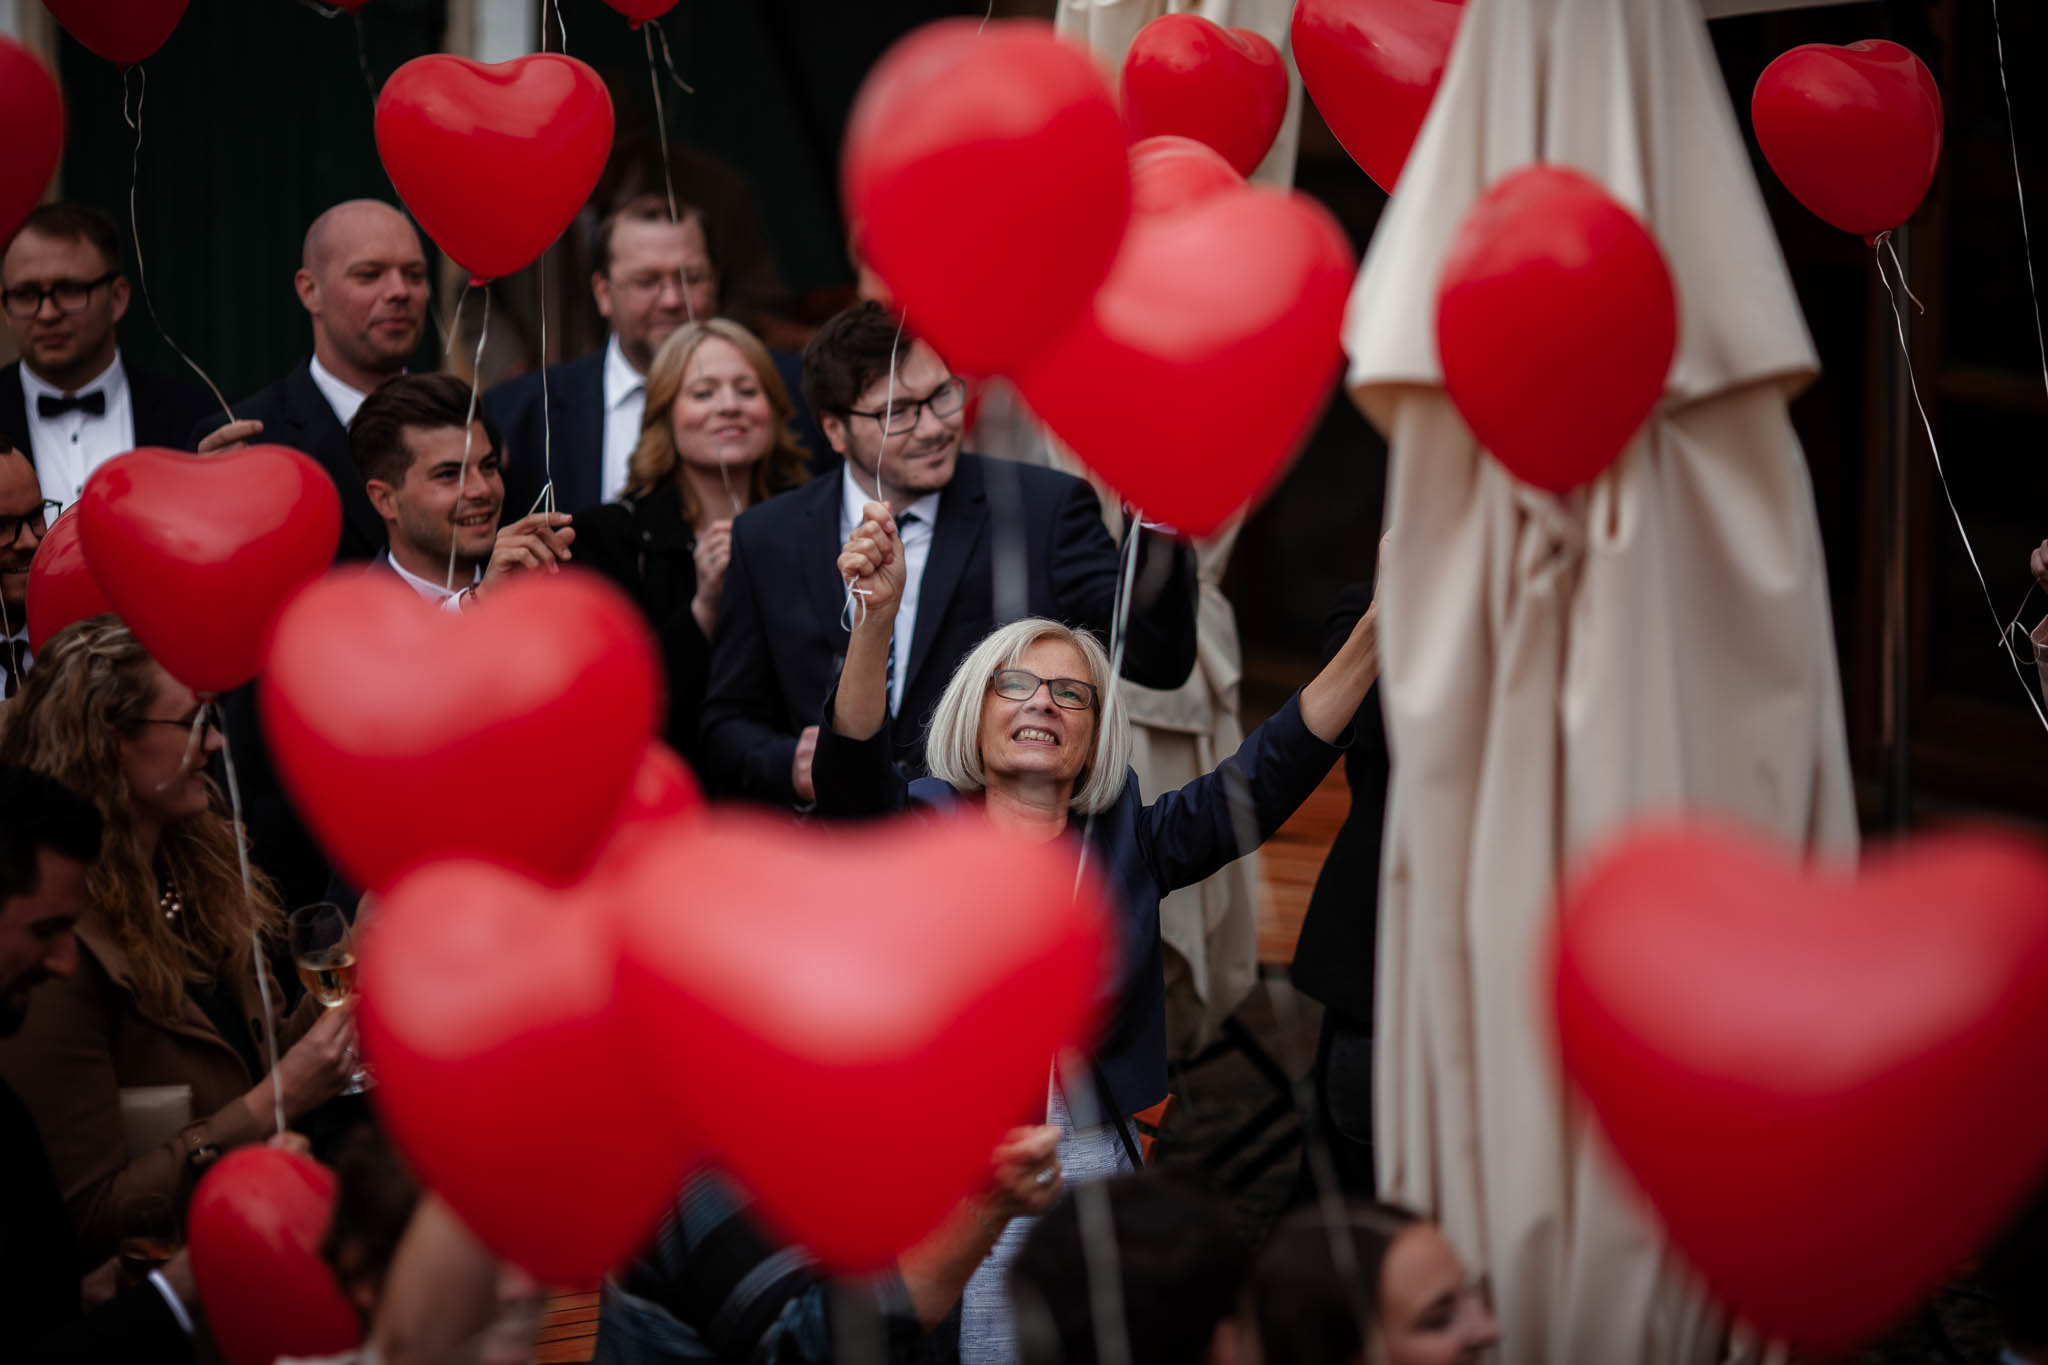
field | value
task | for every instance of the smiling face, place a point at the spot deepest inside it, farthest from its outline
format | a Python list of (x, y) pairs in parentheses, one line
[(438, 499), (365, 284), (721, 417), (913, 462), (1430, 1314), (1036, 740)]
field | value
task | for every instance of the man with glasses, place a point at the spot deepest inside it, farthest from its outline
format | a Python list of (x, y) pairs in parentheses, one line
[(984, 543), (25, 515), (70, 399)]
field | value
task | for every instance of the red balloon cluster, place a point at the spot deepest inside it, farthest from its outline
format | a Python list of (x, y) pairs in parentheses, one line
[(61, 588), (1768, 1048), (1372, 67), (254, 1230), (32, 112), (1227, 87), (123, 31), (1854, 132)]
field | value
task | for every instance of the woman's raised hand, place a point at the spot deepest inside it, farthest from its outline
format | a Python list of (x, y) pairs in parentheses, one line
[(873, 562)]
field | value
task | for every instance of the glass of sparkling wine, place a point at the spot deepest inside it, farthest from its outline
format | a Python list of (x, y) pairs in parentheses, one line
[(323, 946)]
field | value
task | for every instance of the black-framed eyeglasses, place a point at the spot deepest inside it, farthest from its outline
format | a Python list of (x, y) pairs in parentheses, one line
[(26, 300), (1017, 684), (40, 519), (201, 717), (902, 415)]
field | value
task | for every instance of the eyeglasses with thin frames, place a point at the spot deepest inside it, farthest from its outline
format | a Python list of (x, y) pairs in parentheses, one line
[(71, 296), (1017, 684), (40, 519), (904, 414)]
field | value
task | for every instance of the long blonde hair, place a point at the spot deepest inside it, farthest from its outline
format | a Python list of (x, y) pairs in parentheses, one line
[(91, 684), (656, 457)]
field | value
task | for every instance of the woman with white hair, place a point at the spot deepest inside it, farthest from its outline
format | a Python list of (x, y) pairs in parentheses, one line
[(1031, 731)]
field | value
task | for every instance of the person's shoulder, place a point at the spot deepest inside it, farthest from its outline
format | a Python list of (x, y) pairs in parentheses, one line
[(789, 507)]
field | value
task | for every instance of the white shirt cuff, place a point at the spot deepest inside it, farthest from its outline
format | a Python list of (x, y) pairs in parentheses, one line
[(172, 1301)]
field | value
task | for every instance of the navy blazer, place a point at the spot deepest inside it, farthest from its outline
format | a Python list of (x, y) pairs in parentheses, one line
[(1143, 852), (165, 409), (780, 642)]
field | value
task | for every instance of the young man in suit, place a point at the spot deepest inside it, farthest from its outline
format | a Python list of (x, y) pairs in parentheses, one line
[(363, 281), (986, 542), (70, 400)]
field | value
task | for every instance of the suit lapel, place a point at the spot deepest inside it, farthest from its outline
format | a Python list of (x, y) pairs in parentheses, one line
[(320, 434), (963, 516), (576, 416)]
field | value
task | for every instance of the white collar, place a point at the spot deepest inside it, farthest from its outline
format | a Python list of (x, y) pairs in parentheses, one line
[(341, 395), (621, 380), (853, 497), (428, 588), (110, 381)]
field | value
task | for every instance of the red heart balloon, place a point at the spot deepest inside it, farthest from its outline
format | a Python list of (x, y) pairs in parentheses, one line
[(640, 11), (61, 589), (1372, 67), (985, 180), (509, 733), (1226, 87), (1133, 388), (1784, 1058), (254, 1231), (198, 554), (494, 159), (123, 31), (866, 1011), (1854, 132), (1556, 321), (1169, 173), (32, 112), (489, 1010)]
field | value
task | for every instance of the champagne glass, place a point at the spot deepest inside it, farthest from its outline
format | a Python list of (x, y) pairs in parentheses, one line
[(148, 1236), (324, 949)]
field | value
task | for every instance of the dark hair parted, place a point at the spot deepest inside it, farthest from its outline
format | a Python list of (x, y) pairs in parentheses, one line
[(642, 208), (850, 352), (68, 222), (37, 812), (376, 438)]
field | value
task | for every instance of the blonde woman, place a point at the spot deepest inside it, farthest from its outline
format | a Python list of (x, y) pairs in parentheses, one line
[(164, 993), (714, 441)]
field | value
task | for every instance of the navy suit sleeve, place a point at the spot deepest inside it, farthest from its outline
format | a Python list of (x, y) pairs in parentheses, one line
[(746, 748), (1159, 649), (136, 1325), (856, 777), (1187, 835)]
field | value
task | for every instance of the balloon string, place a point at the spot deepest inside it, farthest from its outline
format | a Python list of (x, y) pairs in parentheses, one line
[(1126, 579), (227, 753), (135, 230), (363, 61), (547, 426), (668, 58), (2019, 184), (990, 14), (476, 374), (448, 328), (1097, 1220), (1899, 320), (561, 29), (853, 613), (661, 126)]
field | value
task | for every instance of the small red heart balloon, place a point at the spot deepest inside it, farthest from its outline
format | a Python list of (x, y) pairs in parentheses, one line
[(1372, 67), (1169, 173), (1784, 1059), (509, 733), (254, 1231), (1556, 322), (640, 11), (1226, 87), (836, 983), (1854, 132), (61, 589), (1133, 388), (494, 159), (985, 182), (123, 31), (199, 553), (506, 1073), (32, 112)]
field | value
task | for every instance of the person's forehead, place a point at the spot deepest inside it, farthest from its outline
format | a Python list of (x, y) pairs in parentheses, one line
[(376, 239), (918, 371), (642, 242), (1050, 649), (716, 355), (36, 253), (19, 490), (438, 444)]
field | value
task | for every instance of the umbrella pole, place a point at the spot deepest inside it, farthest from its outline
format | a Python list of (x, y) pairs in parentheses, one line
[(1898, 441)]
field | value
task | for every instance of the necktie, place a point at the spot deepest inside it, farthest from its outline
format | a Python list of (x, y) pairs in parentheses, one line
[(92, 404), (903, 523), (11, 664)]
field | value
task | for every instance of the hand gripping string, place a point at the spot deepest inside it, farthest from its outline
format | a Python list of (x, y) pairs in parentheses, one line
[(853, 613)]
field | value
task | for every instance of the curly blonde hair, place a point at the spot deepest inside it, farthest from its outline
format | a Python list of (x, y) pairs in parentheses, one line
[(656, 457), (90, 686)]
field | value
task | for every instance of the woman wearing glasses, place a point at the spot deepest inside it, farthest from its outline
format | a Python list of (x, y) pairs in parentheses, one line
[(164, 994), (1030, 731)]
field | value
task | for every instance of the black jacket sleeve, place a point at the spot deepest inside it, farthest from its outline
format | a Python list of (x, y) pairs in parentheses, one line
[(747, 747), (136, 1325)]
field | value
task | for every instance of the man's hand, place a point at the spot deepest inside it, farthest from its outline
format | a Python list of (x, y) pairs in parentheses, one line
[(233, 436), (800, 767), (2039, 564), (539, 541)]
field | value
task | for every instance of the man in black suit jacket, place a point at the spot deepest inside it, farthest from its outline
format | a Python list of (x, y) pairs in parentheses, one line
[(970, 527), (363, 280), (71, 403), (652, 274)]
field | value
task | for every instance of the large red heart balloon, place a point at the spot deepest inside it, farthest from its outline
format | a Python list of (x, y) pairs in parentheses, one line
[(199, 553), (32, 112), (1133, 389), (1829, 1086), (254, 1230), (495, 160), (1854, 132), (509, 733), (1372, 67), (506, 1072), (855, 1017), (1226, 87), (985, 182), (61, 589), (1169, 173), (1556, 322), (123, 31)]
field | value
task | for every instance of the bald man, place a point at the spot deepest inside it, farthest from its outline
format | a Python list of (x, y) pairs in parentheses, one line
[(363, 281)]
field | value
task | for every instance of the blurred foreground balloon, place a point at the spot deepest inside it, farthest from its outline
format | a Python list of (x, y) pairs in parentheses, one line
[(254, 1229), (1169, 173), (1854, 132)]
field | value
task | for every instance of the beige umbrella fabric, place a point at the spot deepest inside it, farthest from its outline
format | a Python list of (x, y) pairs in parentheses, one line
[(1554, 667)]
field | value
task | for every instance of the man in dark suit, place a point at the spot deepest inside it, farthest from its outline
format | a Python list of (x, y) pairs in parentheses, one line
[(653, 273), (970, 527), (71, 401), (363, 280)]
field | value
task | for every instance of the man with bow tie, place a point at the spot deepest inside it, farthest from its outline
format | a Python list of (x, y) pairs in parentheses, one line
[(70, 400)]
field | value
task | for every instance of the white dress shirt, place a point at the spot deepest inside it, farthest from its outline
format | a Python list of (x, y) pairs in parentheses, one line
[(917, 548), (432, 589), (625, 403), (343, 397), (71, 445)]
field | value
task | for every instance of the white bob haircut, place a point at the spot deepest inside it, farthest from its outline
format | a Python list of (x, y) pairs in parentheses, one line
[(952, 747)]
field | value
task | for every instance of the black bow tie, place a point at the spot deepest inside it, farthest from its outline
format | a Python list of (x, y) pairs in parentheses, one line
[(92, 404)]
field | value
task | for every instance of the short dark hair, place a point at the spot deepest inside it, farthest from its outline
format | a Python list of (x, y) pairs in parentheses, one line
[(1307, 1311), (376, 438), (1179, 1255), (643, 208), (850, 352), (70, 222), (37, 812)]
